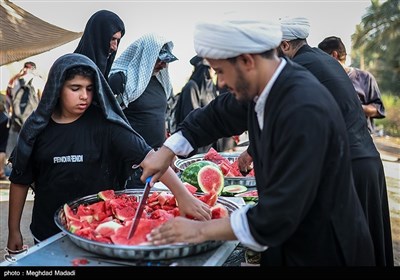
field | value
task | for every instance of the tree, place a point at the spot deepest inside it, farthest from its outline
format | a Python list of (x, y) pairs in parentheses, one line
[(376, 44)]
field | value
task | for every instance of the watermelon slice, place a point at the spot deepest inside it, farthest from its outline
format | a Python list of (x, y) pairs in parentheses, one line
[(108, 228), (249, 195), (192, 189), (209, 198), (69, 214), (145, 226), (106, 195), (233, 190), (214, 156), (211, 179), (219, 211), (125, 213)]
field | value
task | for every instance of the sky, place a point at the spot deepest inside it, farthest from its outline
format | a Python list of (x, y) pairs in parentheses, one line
[(175, 20)]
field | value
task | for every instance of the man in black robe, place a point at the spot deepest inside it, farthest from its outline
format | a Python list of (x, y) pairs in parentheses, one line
[(308, 212), (101, 38), (368, 172), (198, 92)]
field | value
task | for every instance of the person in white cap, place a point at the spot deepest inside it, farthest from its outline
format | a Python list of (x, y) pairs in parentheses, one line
[(368, 172), (308, 213)]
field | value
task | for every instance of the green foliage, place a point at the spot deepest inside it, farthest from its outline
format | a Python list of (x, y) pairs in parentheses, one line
[(391, 124), (376, 44)]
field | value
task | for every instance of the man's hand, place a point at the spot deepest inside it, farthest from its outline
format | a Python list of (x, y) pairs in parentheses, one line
[(245, 162), (175, 230), (156, 163)]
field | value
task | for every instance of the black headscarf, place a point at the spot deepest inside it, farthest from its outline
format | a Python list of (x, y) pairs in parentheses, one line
[(103, 98), (201, 74), (95, 41)]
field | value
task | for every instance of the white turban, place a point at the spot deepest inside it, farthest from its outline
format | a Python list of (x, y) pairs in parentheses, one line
[(231, 38), (295, 28)]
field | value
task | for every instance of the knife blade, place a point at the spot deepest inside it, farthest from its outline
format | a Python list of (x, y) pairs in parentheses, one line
[(140, 208)]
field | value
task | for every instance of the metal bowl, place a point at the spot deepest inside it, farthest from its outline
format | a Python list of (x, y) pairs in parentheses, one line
[(181, 164), (143, 252)]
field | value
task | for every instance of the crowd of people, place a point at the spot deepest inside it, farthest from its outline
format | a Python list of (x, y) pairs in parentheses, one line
[(100, 123)]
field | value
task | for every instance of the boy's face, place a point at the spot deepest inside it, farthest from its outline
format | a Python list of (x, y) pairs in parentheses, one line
[(76, 96)]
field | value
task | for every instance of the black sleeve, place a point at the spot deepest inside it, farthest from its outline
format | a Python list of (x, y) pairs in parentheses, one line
[(23, 178), (223, 117), (185, 104), (130, 147)]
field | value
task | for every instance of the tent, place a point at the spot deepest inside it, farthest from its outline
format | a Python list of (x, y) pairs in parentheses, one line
[(23, 35)]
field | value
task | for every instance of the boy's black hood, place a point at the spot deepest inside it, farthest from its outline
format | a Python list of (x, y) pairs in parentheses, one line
[(103, 98)]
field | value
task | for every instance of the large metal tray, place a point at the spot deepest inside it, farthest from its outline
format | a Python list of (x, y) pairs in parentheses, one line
[(144, 252), (181, 164)]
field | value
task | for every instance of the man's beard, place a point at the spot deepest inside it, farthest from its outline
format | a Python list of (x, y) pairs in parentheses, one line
[(242, 88)]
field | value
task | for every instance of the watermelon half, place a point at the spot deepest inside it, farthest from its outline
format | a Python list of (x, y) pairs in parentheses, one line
[(210, 179), (190, 174)]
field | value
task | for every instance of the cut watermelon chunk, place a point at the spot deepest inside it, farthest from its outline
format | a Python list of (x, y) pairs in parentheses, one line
[(107, 229), (106, 195), (219, 211)]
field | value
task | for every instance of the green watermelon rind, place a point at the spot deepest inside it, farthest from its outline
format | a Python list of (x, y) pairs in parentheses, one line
[(216, 169), (231, 190), (190, 173), (246, 197)]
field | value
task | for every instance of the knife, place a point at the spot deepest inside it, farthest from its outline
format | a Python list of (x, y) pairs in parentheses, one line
[(140, 208)]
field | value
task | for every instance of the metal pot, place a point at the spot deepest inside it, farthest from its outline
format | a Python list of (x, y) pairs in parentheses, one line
[(144, 252), (181, 164)]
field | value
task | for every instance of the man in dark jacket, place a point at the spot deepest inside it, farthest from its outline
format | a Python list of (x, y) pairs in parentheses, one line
[(308, 212), (368, 172), (363, 81)]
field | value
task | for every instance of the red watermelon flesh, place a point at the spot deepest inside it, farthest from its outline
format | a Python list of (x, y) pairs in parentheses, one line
[(69, 214), (125, 213), (161, 214), (107, 229), (145, 226), (192, 189), (211, 179), (209, 198), (214, 156), (83, 210), (106, 195), (97, 207), (219, 211), (235, 169)]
